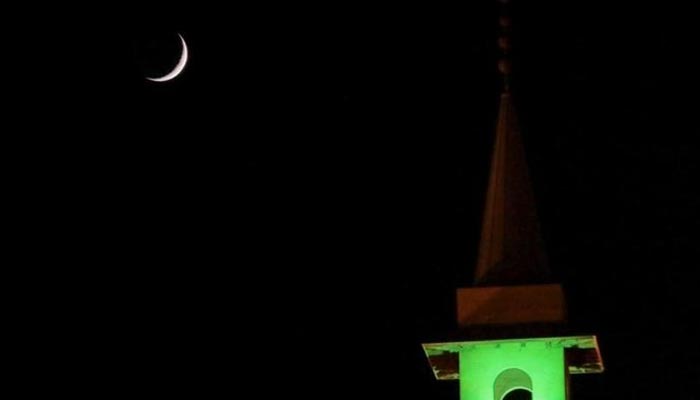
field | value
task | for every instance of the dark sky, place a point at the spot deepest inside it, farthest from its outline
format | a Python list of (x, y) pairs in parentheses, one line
[(297, 209)]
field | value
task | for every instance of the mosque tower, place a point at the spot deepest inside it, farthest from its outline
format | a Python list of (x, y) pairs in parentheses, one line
[(512, 340)]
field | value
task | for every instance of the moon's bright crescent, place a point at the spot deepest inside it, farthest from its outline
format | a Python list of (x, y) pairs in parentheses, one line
[(178, 67)]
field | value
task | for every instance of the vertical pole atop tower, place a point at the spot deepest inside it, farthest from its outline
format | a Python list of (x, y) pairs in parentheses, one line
[(504, 43)]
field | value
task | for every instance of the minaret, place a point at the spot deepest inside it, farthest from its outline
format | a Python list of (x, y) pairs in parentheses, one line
[(511, 337)]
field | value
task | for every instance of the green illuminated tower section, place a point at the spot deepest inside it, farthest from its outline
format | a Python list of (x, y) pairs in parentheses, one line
[(512, 335)]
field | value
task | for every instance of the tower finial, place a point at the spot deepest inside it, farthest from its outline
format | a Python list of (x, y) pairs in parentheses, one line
[(504, 64)]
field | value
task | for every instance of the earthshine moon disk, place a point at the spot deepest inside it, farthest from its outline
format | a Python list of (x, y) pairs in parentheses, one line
[(178, 67)]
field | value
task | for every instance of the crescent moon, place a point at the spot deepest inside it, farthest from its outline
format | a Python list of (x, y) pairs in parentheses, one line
[(178, 67)]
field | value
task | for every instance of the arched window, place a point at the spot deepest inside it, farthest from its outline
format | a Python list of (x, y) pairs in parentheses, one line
[(512, 384)]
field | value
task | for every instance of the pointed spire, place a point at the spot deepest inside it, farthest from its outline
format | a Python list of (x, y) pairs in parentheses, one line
[(511, 250)]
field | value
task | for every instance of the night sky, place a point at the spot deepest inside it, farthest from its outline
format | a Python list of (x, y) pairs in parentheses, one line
[(295, 211)]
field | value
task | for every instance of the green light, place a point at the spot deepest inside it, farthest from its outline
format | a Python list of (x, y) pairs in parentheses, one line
[(490, 372), (490, 369)]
